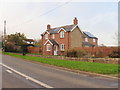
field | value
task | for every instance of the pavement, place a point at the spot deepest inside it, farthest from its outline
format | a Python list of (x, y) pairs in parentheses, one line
[(26, 74)]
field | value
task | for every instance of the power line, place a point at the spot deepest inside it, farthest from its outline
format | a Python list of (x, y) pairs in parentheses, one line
[(53, 9), (30, 20)]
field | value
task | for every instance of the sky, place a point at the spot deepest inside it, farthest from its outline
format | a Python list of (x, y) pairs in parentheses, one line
[(32, 17)]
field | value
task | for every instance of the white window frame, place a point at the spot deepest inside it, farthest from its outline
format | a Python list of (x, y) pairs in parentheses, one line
[(46, 36), (62, 34), (48, 47), (86, 39), (53, 36), (94, 40), (62, 47)]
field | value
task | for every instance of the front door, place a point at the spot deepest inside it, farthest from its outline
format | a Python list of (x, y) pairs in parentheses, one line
[(55, 50)]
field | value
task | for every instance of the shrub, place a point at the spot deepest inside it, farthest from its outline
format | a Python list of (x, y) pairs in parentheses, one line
[(81, 53), (76, 53), (115, 54), (11, 47), (99, 54)]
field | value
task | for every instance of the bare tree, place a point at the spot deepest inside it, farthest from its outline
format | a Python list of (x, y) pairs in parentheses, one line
[(38, 42)]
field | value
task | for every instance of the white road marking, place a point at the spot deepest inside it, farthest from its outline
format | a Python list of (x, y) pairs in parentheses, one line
[(27, 77), (9, 71)]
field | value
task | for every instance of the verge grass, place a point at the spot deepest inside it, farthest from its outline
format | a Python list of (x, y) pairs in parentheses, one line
[(77, 65)]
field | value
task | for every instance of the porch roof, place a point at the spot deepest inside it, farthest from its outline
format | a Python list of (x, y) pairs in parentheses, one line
[(53, 42)]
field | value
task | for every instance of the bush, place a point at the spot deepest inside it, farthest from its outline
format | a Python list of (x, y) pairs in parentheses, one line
[(99, 54), (76, 53), (81, 53), (115, 54), (11, 47)]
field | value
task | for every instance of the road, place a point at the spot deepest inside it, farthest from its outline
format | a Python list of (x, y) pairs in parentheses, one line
[(12, 80), (47, 76)]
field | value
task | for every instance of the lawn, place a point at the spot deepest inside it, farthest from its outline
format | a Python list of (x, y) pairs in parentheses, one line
[(77, 65)]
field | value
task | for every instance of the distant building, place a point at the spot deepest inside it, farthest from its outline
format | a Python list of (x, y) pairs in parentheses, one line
[(89, 40), (60, 39), (29, 41)]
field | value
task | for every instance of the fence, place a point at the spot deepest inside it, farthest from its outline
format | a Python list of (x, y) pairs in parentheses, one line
[(33, 50), (102, 51)]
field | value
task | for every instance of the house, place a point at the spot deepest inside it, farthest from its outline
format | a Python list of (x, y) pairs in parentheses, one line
[(29, 41), (89, 40), (59, 39)]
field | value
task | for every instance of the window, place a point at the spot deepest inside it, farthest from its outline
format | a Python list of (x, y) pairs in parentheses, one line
[(48, 47), (62, 47), (86, 39), (46, 36), (53, 36), (94, 40), (62, 34)]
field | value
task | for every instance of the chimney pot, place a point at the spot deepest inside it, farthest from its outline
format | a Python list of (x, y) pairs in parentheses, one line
[(75, 21), (48, 27)]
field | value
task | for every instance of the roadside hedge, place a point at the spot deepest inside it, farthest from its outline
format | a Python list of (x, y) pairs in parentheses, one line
[(76, 53)]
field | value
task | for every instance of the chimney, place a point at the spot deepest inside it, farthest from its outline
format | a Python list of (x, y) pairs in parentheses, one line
[(75, 21), (48, 27)]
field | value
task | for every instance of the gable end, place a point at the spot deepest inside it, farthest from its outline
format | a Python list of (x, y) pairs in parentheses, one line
[(61, 29), (47, 42)]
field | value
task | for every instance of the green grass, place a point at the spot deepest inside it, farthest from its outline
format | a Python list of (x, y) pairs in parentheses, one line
[(77, 65)]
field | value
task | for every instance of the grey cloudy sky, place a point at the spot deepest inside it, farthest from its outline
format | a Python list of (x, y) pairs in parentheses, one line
[(31, 18)]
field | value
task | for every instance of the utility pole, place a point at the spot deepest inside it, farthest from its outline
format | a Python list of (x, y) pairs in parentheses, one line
[(4, 36), (4, 28)]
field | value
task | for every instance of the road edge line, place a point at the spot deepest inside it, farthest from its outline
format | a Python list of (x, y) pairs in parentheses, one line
[(25, 76)]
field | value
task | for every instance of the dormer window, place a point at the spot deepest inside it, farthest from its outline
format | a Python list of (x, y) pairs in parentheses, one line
[(62, 34), (53, 36), (86, 39), (46, 36)]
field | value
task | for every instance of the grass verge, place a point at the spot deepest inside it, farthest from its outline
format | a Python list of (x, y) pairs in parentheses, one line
[(77, 65)]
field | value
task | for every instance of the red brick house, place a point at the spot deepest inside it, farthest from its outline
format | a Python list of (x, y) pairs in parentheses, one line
[(60, 39)]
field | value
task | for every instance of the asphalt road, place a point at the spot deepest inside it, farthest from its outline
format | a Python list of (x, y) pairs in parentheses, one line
[(12, 80), (53, 77)]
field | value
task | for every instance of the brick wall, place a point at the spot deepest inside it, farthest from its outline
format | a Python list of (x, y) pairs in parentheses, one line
[(33, 50), (97, 60), (62, 40), (45, 52)]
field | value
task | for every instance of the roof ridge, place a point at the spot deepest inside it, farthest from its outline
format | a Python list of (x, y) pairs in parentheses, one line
[(62, 26), (66, 27)]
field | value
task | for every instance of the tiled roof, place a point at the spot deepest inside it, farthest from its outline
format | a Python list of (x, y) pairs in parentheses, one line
[(88, 34), (66, 28), (87, 44)]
